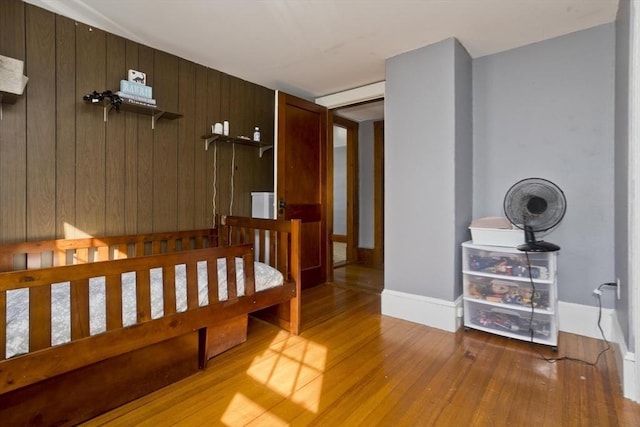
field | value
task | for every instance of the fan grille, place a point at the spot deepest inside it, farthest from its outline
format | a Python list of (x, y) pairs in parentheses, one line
[(535, 203)]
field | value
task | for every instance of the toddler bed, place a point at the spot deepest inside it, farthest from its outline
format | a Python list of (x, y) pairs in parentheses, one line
[(88, 324)]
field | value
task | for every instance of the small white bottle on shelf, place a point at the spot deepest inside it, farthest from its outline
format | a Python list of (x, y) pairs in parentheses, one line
[(256, 134)]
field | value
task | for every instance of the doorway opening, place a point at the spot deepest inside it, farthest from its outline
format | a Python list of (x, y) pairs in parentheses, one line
[(356, 199), (344, 177)]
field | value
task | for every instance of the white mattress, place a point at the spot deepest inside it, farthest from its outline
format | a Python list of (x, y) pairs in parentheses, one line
[(18, 301)]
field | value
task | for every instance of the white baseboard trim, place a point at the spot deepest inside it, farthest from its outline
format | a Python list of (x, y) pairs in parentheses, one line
[(583, 320), (433, 312)]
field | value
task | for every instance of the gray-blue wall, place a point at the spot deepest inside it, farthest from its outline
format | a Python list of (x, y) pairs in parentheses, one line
[(547, 110), (366, 238), (621, 166), (425, 157)]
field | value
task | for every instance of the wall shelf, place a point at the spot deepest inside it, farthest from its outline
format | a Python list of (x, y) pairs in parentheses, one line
[(155, 113), (216, 137)]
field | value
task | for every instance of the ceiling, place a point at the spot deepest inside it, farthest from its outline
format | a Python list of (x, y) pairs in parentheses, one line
[(315, 48)]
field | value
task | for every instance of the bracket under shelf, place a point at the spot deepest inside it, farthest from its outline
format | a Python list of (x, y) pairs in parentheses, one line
[(215, 137), (154, 112)]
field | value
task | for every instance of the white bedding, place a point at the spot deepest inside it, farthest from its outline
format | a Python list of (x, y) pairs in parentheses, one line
[(18, 301)]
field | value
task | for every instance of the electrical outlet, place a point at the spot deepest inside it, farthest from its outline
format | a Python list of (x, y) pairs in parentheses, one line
[(618, 287)]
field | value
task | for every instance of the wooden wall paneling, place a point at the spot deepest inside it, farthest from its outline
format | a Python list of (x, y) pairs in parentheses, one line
[(110, 178), (223, 164), (65, 116), (90, 132), (12, 131), (244, 156), (202, 200), (41, 141), (265, 115), (240, 163), (265, 112), (212, 159), (145, 150), (165, 144), (115, 152), (248, 174), (187, 145), (131, 150)]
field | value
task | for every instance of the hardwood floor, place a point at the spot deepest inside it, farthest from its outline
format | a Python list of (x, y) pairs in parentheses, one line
[(352, 366)]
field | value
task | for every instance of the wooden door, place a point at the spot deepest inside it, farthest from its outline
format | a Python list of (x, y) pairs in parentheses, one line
[(301, 188)]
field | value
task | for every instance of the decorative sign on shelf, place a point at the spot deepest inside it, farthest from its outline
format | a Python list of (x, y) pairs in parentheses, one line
[(11, 78)]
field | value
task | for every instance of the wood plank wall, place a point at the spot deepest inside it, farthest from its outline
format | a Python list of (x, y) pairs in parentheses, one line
[(61, 165)]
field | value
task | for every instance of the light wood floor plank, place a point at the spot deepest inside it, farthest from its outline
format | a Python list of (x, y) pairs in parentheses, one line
[(352, 366)]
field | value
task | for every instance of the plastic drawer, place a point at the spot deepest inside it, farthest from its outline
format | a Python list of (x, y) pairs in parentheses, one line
[(509, 292), (510, 264), (511, 323)]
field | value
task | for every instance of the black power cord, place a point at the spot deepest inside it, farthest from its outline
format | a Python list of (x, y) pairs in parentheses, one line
[(597, 293)]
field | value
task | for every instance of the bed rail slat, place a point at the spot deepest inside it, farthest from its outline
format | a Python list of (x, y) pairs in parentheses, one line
[(113, 292), (249, 275), (169, 289), (212, 282), (272, 248), (102, 253), (232, 285), (79, 308), (81, 256), (173, 244), (138, 249), (282, 248), (59, 257), (121, 251), (39, 318), (6, 261), (143, 295), (192, 285)]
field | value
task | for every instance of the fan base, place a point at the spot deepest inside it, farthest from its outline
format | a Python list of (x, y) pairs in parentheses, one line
[(539, 246)]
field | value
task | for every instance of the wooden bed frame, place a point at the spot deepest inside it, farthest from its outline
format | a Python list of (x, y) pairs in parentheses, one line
[(72, 382)]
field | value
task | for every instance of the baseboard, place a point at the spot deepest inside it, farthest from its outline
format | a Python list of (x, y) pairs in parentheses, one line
[(365, 257), (582, 320), (625, 362), (433, 312)]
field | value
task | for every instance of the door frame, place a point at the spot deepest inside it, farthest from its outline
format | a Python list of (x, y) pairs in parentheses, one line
[(352, 219), (378, 192)]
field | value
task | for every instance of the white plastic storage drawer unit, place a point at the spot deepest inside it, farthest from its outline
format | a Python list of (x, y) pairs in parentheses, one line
[(510, 292)]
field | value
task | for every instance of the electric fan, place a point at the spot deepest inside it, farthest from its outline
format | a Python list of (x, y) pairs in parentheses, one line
[(535, 205)]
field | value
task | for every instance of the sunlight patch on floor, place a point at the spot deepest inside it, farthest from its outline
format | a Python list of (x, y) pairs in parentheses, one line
[(284, 369), (240, 404)]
